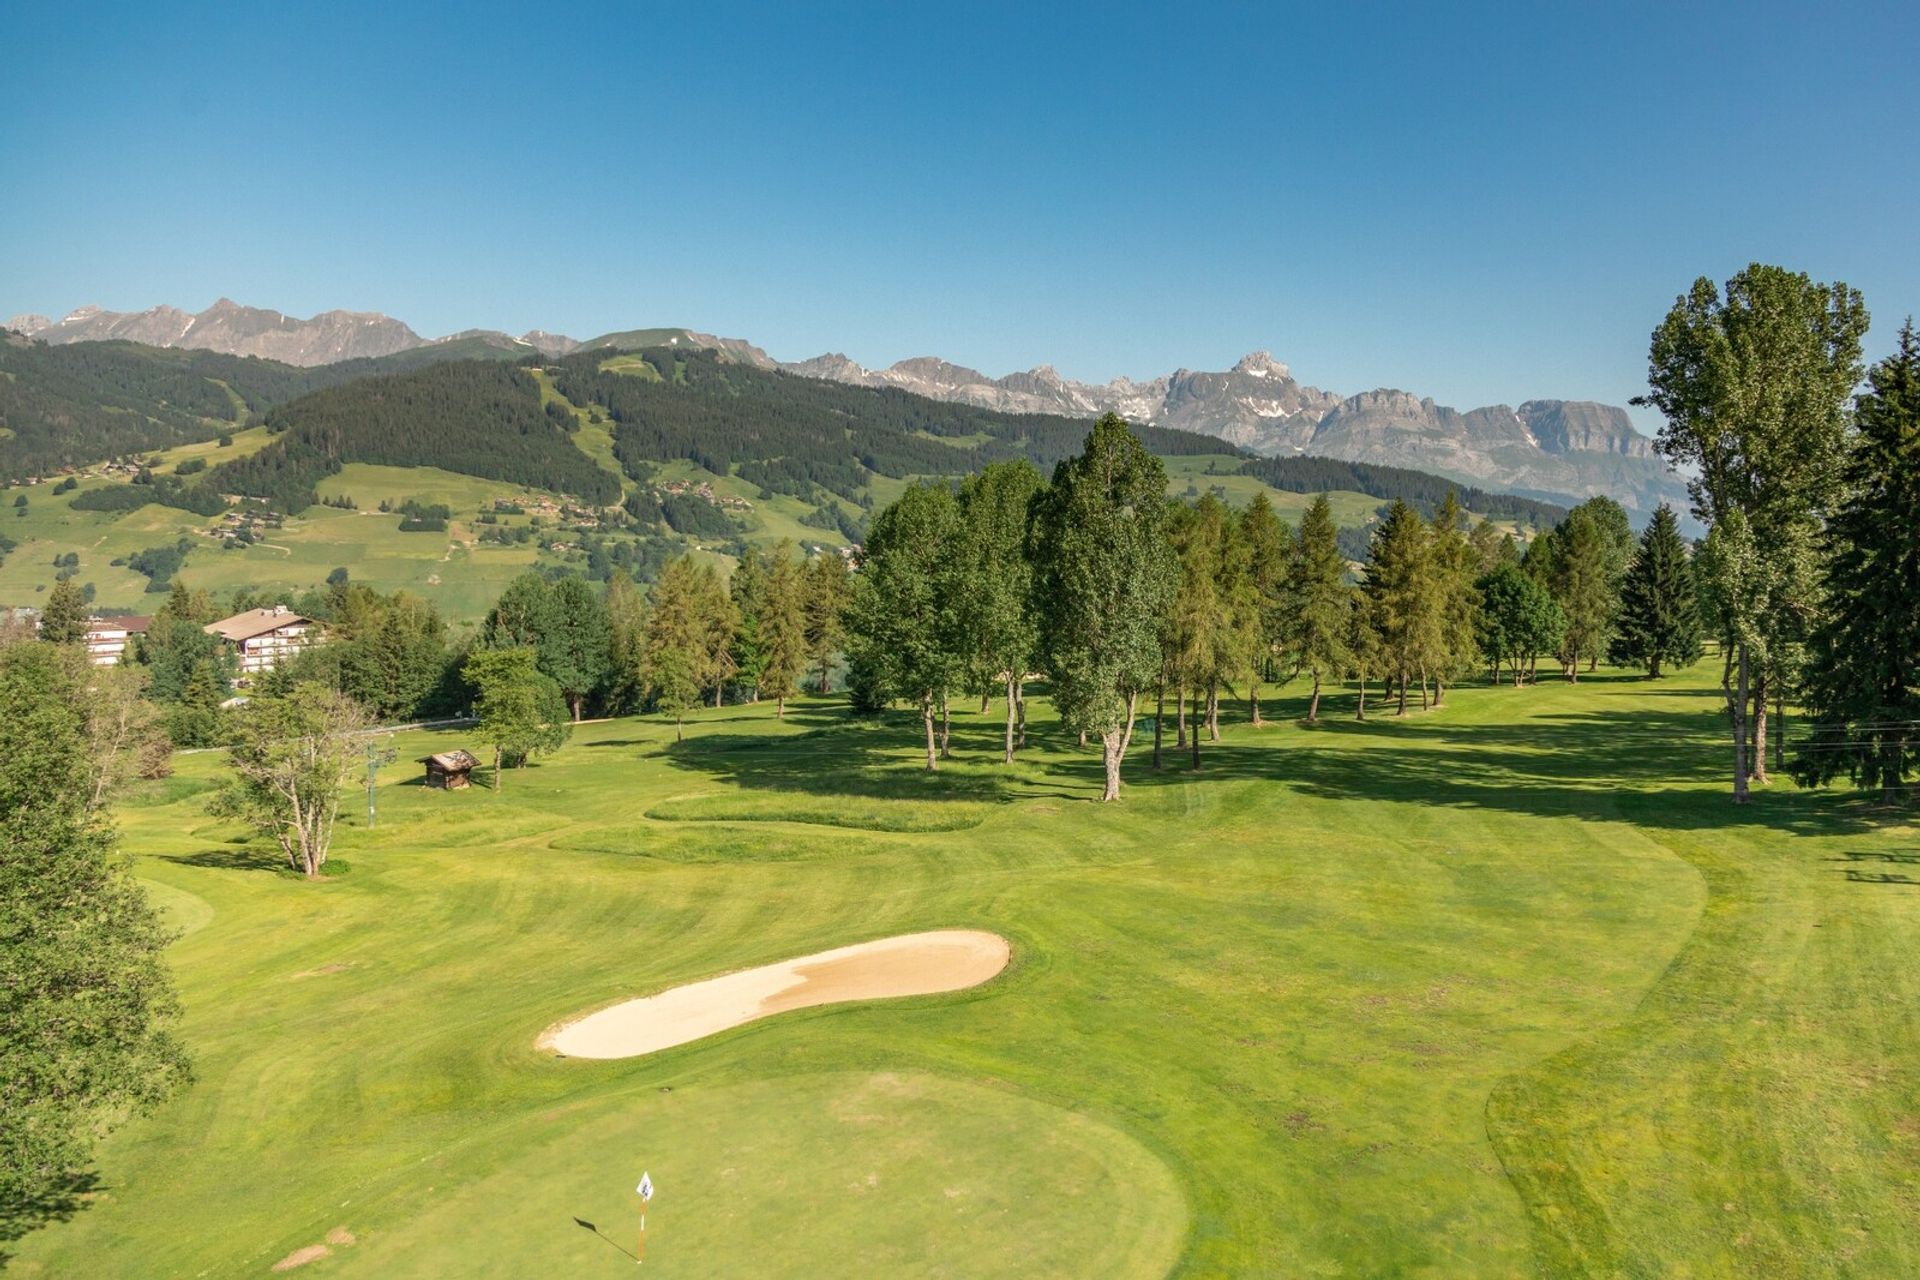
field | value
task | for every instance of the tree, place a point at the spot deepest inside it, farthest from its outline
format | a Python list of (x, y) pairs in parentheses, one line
[(1659, 618), (64, 619), (673, 658), (520, 709), (1517, 620), (783, 628), (125, 738), (86, 1003), (1863, 687), (828, 591), (1583, 587), (195, 719), (574, 647), (1455, 566), (1216, 612), (748, 589), (994, 605), (1402, 601), (902, 622), (1268, 552), (1754, 386), (292, 756), (522, 616), (1320, 621), (626, 643), (1103, 577)]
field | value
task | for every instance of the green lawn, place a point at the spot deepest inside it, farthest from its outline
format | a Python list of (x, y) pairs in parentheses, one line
[(1508, 989)]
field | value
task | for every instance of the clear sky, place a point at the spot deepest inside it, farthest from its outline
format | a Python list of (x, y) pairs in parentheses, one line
[(1481, 204)]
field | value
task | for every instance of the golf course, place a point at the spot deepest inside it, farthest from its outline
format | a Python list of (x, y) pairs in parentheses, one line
[(1507, 988)]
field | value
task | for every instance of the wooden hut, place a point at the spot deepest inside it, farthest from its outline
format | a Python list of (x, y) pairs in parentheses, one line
[(450, 770)]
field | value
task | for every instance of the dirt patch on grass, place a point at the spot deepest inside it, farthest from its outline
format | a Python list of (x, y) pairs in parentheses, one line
[(911, 965), (301, 1257)]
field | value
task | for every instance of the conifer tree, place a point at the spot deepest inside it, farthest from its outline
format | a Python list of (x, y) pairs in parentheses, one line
[(1401, 597), (748, 589), (1863, 686), (1268, 551), (783, 627), (1659, 618), (1319, 624), (673, 657), (1583, 587), (829, 588), (64, 619), (1454, 568), (626, 643)]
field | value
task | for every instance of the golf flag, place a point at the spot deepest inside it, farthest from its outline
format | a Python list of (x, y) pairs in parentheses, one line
[(646, 1187)]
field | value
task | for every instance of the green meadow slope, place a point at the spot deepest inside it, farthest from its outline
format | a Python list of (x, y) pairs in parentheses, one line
[(1508, 989)]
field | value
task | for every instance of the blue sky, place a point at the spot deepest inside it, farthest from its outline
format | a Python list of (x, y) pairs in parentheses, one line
[(1479, 204)]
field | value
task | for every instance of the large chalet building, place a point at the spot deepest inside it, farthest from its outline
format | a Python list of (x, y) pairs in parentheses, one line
[(262, 639), (109, 639)]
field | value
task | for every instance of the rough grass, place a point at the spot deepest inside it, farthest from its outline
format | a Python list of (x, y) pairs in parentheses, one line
[(1507, 989)]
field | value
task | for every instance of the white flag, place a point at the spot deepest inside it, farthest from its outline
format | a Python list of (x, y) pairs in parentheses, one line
[(646, 1187)]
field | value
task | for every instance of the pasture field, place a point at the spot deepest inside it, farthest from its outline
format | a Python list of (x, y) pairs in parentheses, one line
[(1506, 989)]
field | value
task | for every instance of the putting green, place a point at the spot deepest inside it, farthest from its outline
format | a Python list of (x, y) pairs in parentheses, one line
[(842, 1174)]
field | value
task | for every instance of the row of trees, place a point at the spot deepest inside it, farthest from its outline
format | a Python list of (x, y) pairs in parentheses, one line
[(1114, 593)]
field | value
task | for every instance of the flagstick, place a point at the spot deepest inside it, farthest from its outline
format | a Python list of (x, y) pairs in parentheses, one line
[(641, 1260)]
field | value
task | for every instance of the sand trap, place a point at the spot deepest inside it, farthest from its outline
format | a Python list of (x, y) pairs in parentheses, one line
[(914, 964)]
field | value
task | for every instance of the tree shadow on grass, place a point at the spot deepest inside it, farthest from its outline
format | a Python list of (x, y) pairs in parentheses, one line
[(242, 858), (22, 1215)]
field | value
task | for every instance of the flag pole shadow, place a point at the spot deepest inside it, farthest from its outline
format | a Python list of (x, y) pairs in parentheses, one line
[(588, 1226)]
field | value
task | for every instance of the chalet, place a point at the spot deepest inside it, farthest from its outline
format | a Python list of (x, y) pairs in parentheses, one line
[(450, 770), (109, 639), (264, 638)]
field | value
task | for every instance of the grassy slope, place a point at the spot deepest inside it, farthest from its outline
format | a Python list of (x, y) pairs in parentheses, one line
[(1508, 989)]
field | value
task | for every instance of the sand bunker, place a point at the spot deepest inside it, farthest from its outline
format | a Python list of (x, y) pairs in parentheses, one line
[(914, 964)]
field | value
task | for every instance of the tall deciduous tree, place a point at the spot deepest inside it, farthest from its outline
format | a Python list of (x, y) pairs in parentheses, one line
[(574, 650), (1104, 576), (1518, 620), (1319, 625), (1659, 619), (626, 643), (994, 606), (86, 1004), (902, 621), (1863, 687), (1754, 386), (292, 756)]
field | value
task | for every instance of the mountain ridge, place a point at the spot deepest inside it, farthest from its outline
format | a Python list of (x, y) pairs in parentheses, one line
[(1558, 449)]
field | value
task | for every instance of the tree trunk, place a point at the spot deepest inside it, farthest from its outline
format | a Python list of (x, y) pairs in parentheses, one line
[(1361, 714), (1757, 758), (576, 702), (1159, 719), (933, 746), (1213, 711), (1193, 740), (1180, 715), (1020, 693), (1111, 750), (780, 707), (497, 753), (1313, 705), (825, 667), (1424, 704), (1738, 703), (1007, 758), (1439, 692), (679, 726), (1573, 668), (1403, 694), (719, 692), (946, 728), (1653, 667), (1253, 696), (1779, 727), (986, 702), (1083, 738)]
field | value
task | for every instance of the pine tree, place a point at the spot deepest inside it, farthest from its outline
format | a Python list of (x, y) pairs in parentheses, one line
[(1583, 587), (626, 626), (783, 627), (1319, 625), (64, 620), (1455, 567), (673, 660), (829, 587), (1268, 549), (1863, 686), (1659, 618), (1401, 597), (748, 589)]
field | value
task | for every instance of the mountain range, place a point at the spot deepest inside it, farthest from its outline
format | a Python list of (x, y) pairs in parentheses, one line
[(1557, 450)]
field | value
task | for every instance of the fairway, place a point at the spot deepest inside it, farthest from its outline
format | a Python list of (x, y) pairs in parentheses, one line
[(1505, 989)]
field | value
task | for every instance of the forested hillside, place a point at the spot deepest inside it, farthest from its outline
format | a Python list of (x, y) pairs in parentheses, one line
[(1417, 489), (69, 405), (795, 432)]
